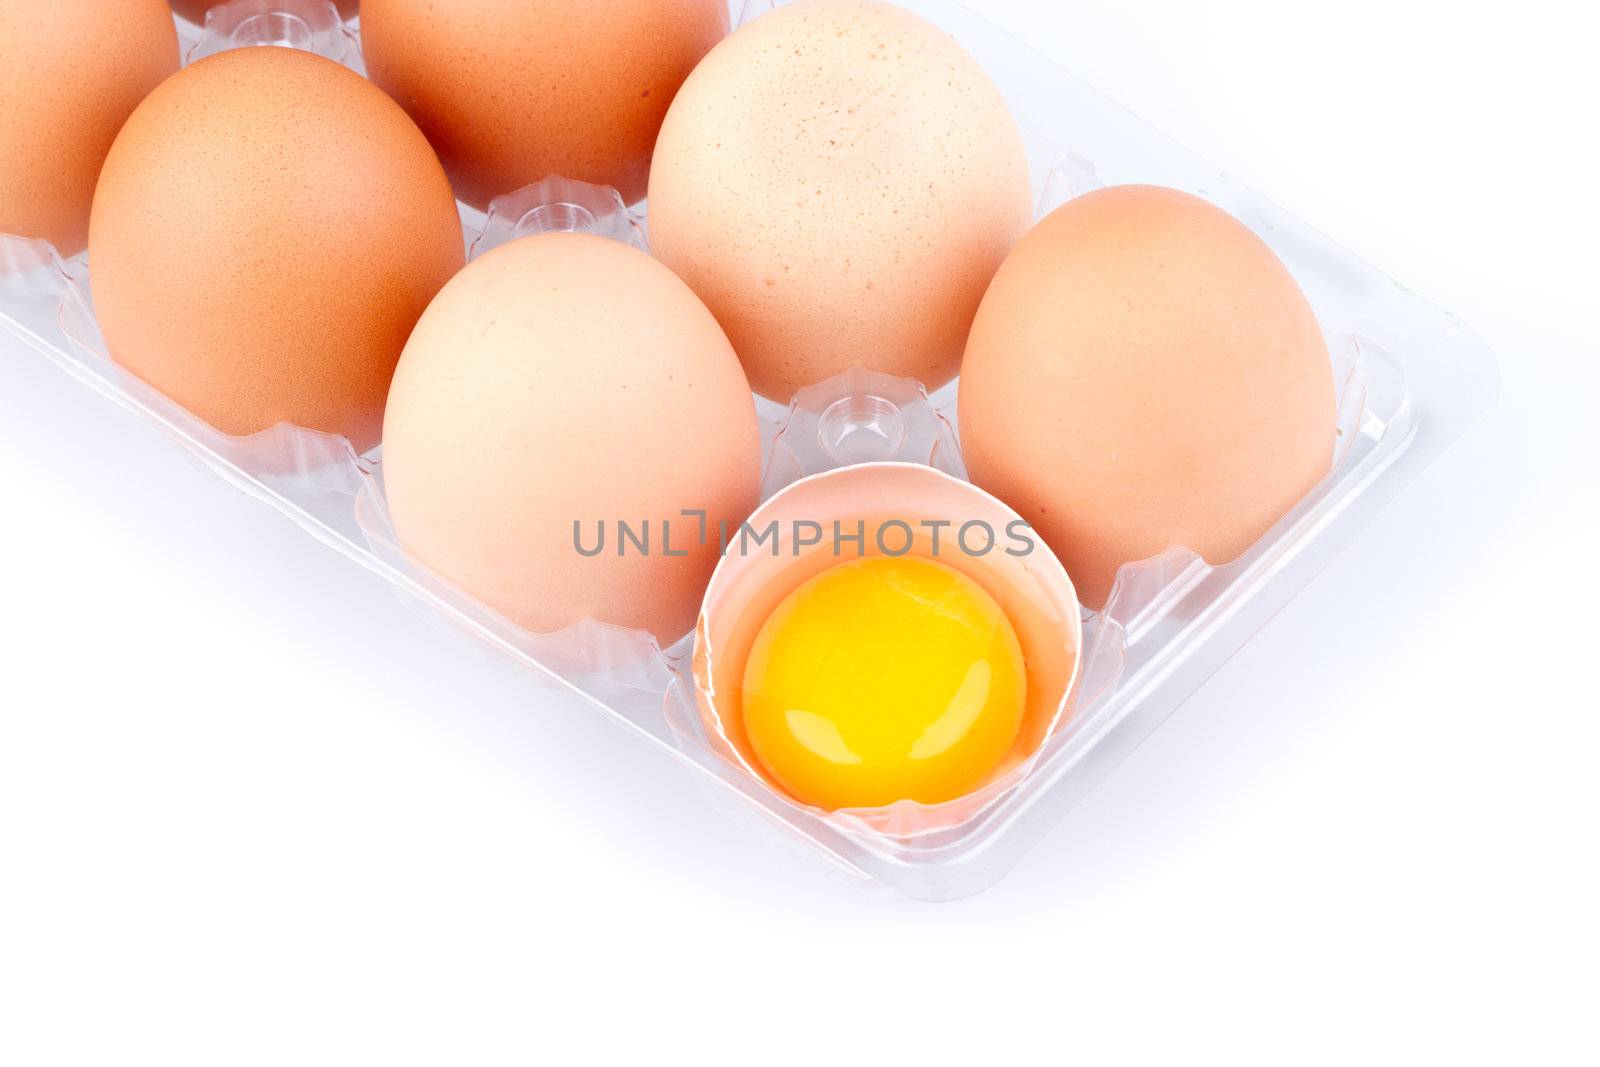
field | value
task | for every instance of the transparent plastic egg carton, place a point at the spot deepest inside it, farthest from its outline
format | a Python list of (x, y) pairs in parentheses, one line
[(1411, 380)]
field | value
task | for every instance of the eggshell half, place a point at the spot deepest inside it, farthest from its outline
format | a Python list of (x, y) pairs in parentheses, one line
[(72, 74), (751, 581), (567, 379), (511, 92), (268, 229), (839, 181), (1145, 373)]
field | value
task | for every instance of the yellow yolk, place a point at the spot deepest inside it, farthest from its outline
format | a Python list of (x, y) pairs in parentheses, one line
[(884, 679)]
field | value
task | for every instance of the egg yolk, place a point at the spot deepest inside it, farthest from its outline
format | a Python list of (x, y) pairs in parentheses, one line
[(884, 679)]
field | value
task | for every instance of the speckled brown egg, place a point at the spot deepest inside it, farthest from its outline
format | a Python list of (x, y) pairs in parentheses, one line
[(195, 10), (72, 74), (513, 91), (1145, 373), (560, 385), (839, 181), (268, 229)]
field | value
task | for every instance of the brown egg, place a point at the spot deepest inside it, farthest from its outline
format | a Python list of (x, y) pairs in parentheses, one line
[(566, 379), (1144, 373), (839, 181), (73, 73), (513, 91), (268, 228), (195, 10)]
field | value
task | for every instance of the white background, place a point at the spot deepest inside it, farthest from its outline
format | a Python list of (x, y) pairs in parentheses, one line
[(249, 814)]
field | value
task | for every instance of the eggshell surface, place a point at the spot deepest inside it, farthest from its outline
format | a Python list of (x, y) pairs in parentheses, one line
[(568, 380), (267, 231), (1145, 373), (511, 92), (839, 181), (73, 73), (195, 10)]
